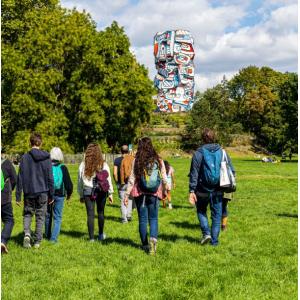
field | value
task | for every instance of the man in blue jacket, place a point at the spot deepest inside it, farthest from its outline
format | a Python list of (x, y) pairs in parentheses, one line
[(35, 179), (204, 186)]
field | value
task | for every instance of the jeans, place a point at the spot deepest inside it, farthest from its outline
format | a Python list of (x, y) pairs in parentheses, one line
[(35, 206), (215, 203), (54, 211), (147, 207), (90, 209), (7, 218), (126, 212)]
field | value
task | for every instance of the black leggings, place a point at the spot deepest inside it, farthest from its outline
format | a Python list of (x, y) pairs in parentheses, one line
[(90, 209)]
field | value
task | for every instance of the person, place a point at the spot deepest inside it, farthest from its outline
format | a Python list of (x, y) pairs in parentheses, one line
[(93, 164), (171, 183), (226, 198), (35, 179), (9, 178), (126, 212), (63, 186), (125, 171), (147, 187), (204, 180)]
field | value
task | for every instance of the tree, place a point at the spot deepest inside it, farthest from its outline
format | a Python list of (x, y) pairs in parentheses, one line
[(62, 77)]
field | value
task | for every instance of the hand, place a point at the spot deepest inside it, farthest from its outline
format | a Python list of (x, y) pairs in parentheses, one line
[(50, 201), (126, 201), (193, 198), (110, 199), (81, 199), (18, 203)]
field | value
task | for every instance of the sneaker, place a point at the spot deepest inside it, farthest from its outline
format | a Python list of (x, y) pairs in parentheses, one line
[(145, 248), (26, 242), (102, 237), (124, 221), (153, 246), (205, 239), (129, 219), (170, 206), (36, 245), (4, 248), (91, 240)]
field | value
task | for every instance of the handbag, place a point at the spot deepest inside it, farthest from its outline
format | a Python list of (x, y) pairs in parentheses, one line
[(227, 179)]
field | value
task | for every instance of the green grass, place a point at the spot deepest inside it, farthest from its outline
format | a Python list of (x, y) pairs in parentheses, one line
[(256, 258)]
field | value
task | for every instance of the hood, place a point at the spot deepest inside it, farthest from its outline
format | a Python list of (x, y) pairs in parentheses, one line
[(212, 147), (39, 155)]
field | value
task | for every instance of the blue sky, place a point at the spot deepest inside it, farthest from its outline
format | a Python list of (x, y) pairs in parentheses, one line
[(228, 34)]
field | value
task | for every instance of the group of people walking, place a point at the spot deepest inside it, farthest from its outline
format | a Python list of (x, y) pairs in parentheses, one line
[(142, 180)]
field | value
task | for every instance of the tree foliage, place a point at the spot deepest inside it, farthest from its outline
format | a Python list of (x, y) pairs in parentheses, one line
[(62, 77)]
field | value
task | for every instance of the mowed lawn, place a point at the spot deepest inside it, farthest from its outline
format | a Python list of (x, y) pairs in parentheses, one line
[(256, 257)]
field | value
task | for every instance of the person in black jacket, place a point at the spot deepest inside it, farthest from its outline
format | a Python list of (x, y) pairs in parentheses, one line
[(7, 217), (35, 179), (63, 186)]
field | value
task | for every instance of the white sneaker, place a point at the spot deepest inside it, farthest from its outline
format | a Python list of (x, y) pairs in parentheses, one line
[(36, 245), (102, 237), (170, 206), (205, 239), (26, 242)]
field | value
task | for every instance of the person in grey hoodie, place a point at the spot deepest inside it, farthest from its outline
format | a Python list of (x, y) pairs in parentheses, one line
[(35, 179)]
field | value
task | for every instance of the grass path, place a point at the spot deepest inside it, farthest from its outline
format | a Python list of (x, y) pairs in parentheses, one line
[(256, 258)]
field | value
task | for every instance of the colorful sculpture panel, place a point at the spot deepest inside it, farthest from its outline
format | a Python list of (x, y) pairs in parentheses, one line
[(174, 54)]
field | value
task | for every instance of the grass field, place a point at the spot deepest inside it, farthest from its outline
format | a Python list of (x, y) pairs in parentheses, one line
[(256, 257)]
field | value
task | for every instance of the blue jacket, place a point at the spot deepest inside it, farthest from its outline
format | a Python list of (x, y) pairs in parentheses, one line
[(195, 175)]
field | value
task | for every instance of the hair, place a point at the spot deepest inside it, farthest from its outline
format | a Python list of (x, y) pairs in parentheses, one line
[(145, 156), (35, 139), (167, 166), (56, 154), (124, 149), (208, 136), (93, 160)]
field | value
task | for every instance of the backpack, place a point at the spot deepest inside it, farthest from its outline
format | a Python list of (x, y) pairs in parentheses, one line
[(151, 179), (100, 183), (211, 164), (2, 177), (57, 176)]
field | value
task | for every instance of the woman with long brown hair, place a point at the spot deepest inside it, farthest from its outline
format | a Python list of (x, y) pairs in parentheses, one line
[(147, 184), (91, 169)]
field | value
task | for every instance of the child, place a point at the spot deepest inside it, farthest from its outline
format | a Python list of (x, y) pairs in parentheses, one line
[(35, 179), (171, 183)]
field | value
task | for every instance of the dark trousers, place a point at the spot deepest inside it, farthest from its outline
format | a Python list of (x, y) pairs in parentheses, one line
[(7, 218), (100, 201), (35, 206)]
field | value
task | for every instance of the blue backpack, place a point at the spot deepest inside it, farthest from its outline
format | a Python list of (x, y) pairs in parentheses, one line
[(57, 176), (151, 179), (211, 164)]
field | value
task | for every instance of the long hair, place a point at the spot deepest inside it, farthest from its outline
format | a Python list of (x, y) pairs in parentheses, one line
[(167, 165), (145, 156), (93, 160)]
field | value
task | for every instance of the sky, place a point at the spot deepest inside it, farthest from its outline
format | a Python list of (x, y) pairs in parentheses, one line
[(228, 34)]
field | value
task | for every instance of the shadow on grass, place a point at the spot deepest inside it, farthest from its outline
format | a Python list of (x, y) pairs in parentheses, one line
[(111, 218), (175, 206), (73, 233), (287, 215), (121, 241), (18, 239), (185, 224), (175, 237)]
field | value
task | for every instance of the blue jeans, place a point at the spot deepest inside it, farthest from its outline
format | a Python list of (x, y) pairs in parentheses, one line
[(215, 203), (54, 210), (147, 208)]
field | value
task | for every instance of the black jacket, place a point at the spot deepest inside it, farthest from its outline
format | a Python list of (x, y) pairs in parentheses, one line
[(67, 187), (35, 175), (10, 178)]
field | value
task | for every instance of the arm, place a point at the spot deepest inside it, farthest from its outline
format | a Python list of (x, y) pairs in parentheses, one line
[(11, 173), (67, 181), (194, 175), (131, 181), (111, 188), (230, 164), (164, 175), (80, 181), (50, 180), (115, 173), (19, 188), (173, 178)]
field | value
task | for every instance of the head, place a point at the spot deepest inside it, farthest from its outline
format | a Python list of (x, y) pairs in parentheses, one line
[(93, 159), (124, 149), (208, 136), (145, 155), (167, 166), (35, 140), (56, 154)]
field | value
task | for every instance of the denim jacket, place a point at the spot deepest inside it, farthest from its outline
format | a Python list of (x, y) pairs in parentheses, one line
[(195, 183)]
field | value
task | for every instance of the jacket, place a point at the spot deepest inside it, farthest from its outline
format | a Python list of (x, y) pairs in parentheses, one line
[(125, 169), (133, 189), (10, 179), (88, 182), (35, 175), (195, 170), (67, 187)]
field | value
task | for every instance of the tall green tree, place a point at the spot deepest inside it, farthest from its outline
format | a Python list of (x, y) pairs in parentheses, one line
[(62, 77)]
